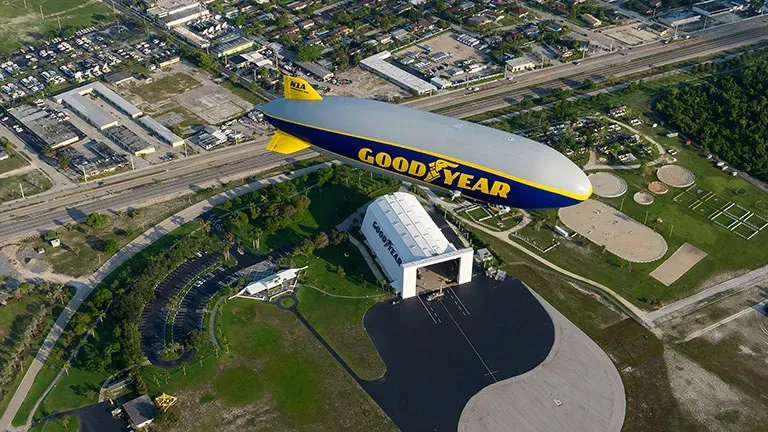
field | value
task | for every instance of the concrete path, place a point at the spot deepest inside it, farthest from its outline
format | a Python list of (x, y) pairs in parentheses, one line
[(755, 308), (212, 322), (752, 278), (369, 260), (344, 296), (576, 388), (137, 245)]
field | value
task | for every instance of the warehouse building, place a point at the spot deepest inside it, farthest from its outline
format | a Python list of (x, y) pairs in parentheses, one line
[(234, 46), (377, 64), (413, 252), (129, 141), (49, 129), (78, 101), (159, 130)]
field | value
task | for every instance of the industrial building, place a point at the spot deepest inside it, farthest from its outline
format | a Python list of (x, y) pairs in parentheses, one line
[(234, 46), (413, 252), (377, 64), (49, 129), (318, 71), (713, 8), (176, 12), (141, 411), (77, 101), (129, 141), (192, 37), (283, 279), (159, 130), (520, 64)]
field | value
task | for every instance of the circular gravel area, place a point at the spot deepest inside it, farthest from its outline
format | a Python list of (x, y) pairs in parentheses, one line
[(643, 198), (607, 185), (675, 176), (658, 188)]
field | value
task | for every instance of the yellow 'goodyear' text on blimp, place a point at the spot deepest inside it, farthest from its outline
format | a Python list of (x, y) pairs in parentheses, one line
[(439, 171)]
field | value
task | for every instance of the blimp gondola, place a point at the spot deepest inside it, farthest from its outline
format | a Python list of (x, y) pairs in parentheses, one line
[(440, 152)]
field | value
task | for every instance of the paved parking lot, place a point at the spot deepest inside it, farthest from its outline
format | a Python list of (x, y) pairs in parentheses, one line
[(441, 353)]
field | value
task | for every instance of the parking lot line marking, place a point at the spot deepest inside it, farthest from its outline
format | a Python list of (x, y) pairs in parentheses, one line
[(471, 345), (450, 289), (426, 309)]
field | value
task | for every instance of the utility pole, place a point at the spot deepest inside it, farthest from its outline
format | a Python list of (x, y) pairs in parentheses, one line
[(58, 20), (133, 168), (185, 148), (645, 222), (85, 175), (22, 190), (41, 13), (621, 207), (670, 230)]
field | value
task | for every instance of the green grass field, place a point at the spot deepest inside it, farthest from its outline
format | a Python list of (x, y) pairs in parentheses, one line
[(20, 26), (340, 320), (274, 365), (243, 93), (67, 423), (74, 390), (15, 161), (33, 182)]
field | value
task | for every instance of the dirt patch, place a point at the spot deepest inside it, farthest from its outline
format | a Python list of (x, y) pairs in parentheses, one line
[(619, 233), (711, 401), (658, 188), (607, 185), (675, 176), (678, 264)]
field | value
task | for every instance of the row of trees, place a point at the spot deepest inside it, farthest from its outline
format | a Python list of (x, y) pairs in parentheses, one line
[(727, 115)]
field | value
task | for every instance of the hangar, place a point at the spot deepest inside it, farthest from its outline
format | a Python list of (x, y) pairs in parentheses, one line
[(410, 248)]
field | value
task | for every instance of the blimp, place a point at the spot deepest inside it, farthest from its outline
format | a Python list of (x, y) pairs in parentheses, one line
[(440, 152)]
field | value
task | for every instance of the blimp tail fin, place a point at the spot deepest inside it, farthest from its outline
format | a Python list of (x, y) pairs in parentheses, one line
[(284, 143), (297, 88)]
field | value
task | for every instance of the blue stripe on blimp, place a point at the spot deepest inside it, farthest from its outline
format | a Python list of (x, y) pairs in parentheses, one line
[(472, 182)]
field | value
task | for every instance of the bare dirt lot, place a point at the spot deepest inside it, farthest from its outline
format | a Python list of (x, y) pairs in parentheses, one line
[(366, 85), (607, 185), (619, 233), (678, 264), (675, 176), (630, 35)]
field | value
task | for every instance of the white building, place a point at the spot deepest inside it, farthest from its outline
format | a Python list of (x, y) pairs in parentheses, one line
[(405, 239), (520, 64), (273, 281), (377, 63)]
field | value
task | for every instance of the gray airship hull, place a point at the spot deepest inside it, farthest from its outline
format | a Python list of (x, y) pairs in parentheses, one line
[(484, 163)]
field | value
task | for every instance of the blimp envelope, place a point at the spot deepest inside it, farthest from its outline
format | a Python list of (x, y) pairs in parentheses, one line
[(441, 152)]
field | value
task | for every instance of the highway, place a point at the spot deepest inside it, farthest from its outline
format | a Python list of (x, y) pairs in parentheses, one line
[(137, 192), (618, 63), (158, 183)]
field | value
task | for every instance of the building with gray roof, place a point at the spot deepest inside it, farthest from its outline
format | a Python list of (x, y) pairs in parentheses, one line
[(76, 100), (162, 132), (128, 140), (141, 411), (377, 63), (49, 129)]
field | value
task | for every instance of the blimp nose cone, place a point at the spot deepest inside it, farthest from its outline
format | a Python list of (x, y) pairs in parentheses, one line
[(582, 185)]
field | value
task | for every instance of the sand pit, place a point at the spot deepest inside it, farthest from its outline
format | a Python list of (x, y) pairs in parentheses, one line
[(678, 264), (621, 235), (675, 176), (658, 188), (607, 185), (643, 198)]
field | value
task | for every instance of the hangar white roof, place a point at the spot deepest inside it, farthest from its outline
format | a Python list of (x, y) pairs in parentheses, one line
[(411, 224)]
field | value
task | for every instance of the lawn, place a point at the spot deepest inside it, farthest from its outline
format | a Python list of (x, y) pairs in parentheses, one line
[(15, 161), (74, 390), (166, 87), (82, 248), (274, 366), (33, 182), (340, 320), (21, 26), (67, 423)]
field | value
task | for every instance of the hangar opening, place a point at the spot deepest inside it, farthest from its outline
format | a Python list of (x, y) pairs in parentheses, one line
[(415, 255)]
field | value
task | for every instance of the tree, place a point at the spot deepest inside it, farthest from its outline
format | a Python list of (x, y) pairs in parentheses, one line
[(98, 220), (338, 237), (49, 152), (340, 272), (304, 248), (208, 62), (588, 84), (320, 240), (239, 20), (237, 219), (111, 246), (51, 235), (63, 162), (282, 20), (309, 53)]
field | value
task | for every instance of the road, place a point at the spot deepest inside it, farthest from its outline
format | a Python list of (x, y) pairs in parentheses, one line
[(135, 246), (619, 63)]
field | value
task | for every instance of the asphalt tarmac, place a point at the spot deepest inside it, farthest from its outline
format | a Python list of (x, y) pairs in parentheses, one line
[(441, 353)]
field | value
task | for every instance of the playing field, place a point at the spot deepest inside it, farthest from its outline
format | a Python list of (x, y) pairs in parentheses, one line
[(20, 25), (678, 264), (619, 233)]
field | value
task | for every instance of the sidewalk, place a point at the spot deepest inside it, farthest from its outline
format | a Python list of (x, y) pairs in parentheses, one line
[(135, 246)]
